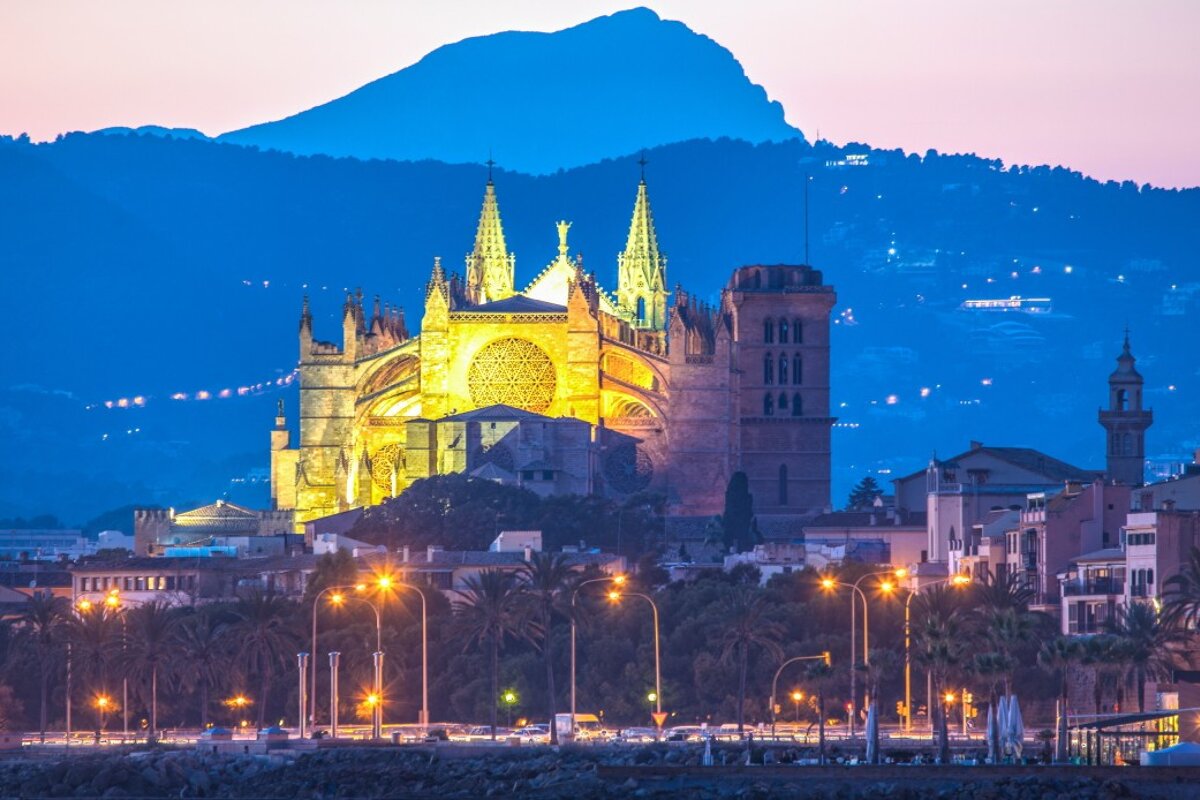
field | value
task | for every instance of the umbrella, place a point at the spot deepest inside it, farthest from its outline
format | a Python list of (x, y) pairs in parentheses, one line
[(993, 731), (708, 759), (872, 735), (1016, 727), (1001, 728), (1060, 734)]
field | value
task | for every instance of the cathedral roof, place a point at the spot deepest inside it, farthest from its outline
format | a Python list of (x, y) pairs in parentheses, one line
[(493, 413), (518, 304)]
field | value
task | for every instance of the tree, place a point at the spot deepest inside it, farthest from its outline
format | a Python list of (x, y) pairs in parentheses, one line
[(1102, 654), (1148, 642), (1182, 594), (148, 633), (42, 635), (547, 579), (95, 637), (266, 640), (201, 657), (744, 629), (863, 494), (737, 521), (941, 645), (488, 611), (1058, 655), (332, 569)]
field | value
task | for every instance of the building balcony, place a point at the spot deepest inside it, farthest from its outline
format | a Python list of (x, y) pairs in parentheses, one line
[(1141, 590), (1096, 586)]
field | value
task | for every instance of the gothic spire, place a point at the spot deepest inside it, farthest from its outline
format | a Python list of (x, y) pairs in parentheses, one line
[(489, 266), (641, 267)]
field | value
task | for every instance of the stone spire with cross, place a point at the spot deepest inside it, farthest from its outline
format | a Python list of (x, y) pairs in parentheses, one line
[(490, 267), (642, 267)]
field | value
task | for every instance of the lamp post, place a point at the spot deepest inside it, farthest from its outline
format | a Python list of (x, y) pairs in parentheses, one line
[(615, 595), (424, 713), (953, 580), (618, 580), (886, 586), (797, 696), (337, 598), (302, 660), (825, 656), (334, 659), (510, 700)]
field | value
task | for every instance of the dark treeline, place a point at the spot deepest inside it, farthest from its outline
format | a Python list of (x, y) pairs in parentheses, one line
[(723, 636)]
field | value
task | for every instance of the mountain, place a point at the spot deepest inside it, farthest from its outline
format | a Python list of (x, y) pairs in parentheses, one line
[(541, 101), (149, 266)]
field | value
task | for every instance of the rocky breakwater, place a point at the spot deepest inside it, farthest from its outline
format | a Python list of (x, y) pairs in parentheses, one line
[(569, 774)]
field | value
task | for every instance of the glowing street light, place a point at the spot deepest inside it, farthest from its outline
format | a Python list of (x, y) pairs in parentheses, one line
[(957, 580), (616, 580), (652, 697)]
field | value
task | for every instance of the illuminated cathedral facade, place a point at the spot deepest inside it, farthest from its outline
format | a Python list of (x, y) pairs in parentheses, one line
[(564, 387)]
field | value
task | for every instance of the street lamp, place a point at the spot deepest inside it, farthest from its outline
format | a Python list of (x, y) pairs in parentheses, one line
[(617, 580), (825, 656), (387, 582), (797, 696), (510, 700), (109, 601), (886, 586), (958, 580), (339, 597), (655, 696)]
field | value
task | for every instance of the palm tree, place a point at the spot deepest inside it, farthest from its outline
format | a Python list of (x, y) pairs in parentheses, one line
[(745, 629), (1102, 653), (941, 645), (266, 638), (201, 656), (489, 611), (821, 676), (1148, 645), (547, 578), (92, 635), (1058, 655), (42, 634), (1182, 594), (148, 633)]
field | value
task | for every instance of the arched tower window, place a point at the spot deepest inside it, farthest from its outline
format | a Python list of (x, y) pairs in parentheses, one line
[(782, 402), (768, 369), (797, 370), (783, 364), (783, 485), (768, 404), (769, 331), (1126, 444), (641, 309), (797, 407), (797, 332), (1122, 399), (783, 331)]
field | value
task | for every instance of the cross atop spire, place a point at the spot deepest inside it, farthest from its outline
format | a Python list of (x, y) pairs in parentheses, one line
[(642, 162), (490, 163)]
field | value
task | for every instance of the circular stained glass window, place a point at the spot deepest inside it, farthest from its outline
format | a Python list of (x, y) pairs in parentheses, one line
[(513, 372)]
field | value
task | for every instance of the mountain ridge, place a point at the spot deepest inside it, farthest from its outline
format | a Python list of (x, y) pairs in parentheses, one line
[(615, 85)]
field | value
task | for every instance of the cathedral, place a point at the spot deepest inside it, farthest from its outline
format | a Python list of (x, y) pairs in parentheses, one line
[(565, 387)]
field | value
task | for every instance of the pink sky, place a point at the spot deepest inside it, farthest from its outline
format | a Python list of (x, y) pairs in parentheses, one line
[(1108, 87)]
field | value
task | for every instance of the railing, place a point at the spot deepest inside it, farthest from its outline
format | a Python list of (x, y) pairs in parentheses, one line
[(1095, 586), (1141, 590)]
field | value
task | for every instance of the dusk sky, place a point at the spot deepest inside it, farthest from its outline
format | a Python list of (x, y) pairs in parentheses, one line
[(1107, 87)]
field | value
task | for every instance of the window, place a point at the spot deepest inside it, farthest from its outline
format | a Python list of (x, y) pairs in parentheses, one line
[(1122, 399), (768, 369), (783, 365), (782, 401), (769, 331), (1126, 444), (641, 309), (527, 474), (797, 370), (783, 485), (783, 331), (797, 332), (768, 405), (797, 408), (547, 475)]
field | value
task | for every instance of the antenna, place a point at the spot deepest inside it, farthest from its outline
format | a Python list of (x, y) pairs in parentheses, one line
[(807, 179)]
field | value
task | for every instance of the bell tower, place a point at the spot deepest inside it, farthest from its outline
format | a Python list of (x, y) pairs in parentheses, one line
[(1125, 422)]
